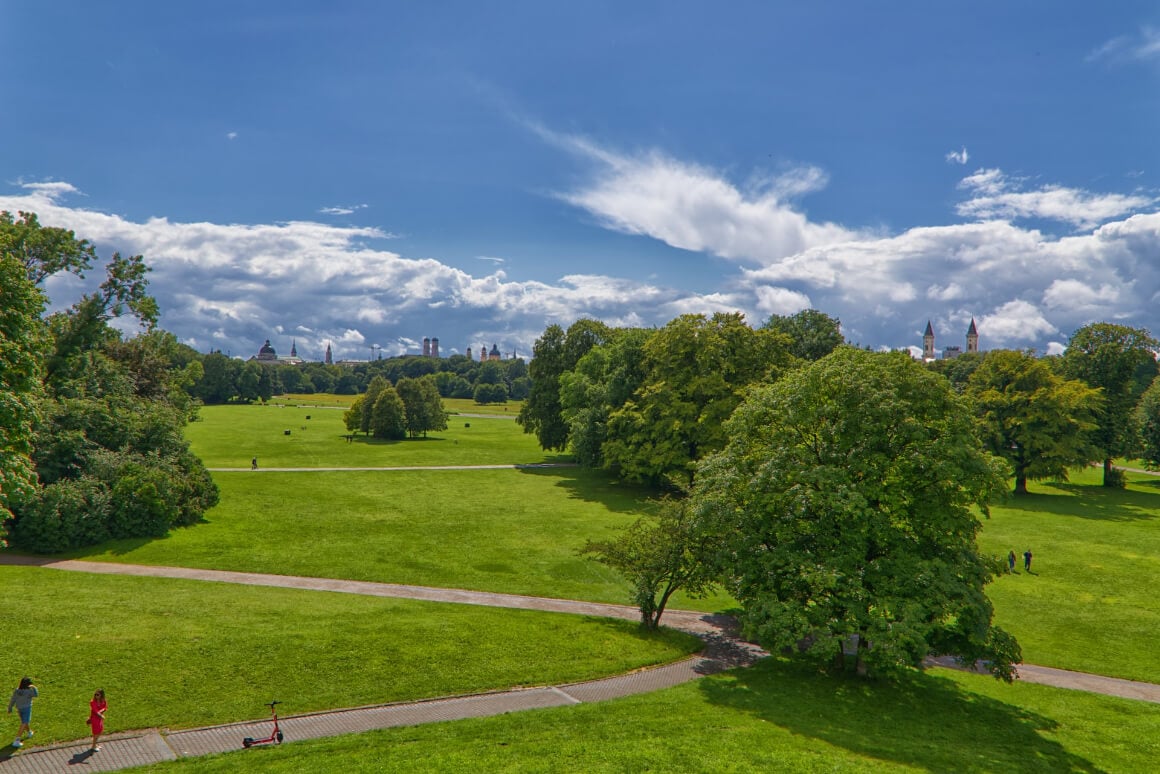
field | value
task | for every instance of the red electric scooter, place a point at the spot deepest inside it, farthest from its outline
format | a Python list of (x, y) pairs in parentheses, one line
[(274, 737)]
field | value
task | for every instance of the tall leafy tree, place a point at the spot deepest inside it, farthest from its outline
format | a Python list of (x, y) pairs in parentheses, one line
[(374, 388), (423, 406), (1148, 418), (845, 502), (812, 334), (1108, 356), (388, 415), (22, 346), (554, 354), (1035, 419), (697, 370)]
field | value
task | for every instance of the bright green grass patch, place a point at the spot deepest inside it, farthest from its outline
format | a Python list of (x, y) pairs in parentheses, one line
[(181, 653), (511, 409), (313, 399), (230, 436), (772, 717), (1091, 604), (509, 531)]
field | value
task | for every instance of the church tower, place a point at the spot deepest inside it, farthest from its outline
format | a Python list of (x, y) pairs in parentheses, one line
[(329, 357), (434, 347), (293, 348), (928, 342), (972, 337)]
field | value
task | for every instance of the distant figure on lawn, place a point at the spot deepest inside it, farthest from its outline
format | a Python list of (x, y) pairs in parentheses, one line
[(1027, 560), (1010, 561), (254, 464)]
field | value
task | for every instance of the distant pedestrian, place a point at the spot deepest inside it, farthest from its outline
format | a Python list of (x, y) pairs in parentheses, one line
[(1010, 561), (22, 700), (1027, 560), (254, 464), (96, 719)]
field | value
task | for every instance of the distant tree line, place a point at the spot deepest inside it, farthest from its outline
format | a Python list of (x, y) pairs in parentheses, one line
[(231, 380)]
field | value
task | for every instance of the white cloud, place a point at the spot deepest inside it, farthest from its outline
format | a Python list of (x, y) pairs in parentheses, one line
[(782, 301), (341, 210), (994, 195), (695, 208), (958, 157), (1142, 46), (496, 261), (231, 135)]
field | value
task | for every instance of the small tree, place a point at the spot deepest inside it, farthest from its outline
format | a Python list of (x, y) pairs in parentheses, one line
[(658, 557), (424, 407), (490, 393), (352, 417), (388, 417)]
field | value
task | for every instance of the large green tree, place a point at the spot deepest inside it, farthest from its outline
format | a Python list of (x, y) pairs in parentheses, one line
[(1108, 357), (845, 503), (22, 347), (812, 334), (1038, 421), (696, 370), (1148, 418), (555, 353), (422, 404)]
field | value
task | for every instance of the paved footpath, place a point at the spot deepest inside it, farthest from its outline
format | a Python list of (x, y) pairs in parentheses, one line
[(724, 650)]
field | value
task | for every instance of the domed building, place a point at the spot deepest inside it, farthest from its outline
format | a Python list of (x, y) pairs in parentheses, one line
[(267, 354)]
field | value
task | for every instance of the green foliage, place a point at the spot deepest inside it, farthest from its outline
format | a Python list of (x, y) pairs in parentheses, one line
[(1037, 421), (1108, 357), (352, 417), (422, 405), (21, 348), (658, 557), (844, 501), (1148, 419), (812, 334), (554, 354), (696, 370), (490, 393), (388, 415), (957, 370), (374, 389)]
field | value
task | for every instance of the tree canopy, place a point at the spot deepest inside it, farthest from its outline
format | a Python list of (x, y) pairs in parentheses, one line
[(844, 502), (1035, 419), (1108, 357)]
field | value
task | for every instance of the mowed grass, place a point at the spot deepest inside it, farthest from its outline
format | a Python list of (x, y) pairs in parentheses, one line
[(508, 531), (1091, 604), (230, 436), (771, 717), (178, 653), (452, 405)]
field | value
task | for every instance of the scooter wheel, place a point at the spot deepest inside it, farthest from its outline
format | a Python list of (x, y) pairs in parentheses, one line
[(279, 737), (248, 742)]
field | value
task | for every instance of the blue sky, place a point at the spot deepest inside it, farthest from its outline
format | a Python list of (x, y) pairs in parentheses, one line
[(365, 173)]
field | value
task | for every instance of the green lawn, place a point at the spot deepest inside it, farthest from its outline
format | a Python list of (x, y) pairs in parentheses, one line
[(177, 653), (772, 717), (229, 436), (495, 530), (1091, 604)]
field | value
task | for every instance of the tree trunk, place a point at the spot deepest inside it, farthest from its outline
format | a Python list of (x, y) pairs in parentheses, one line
[(860, 666), (1020, 485), (1107, 471)]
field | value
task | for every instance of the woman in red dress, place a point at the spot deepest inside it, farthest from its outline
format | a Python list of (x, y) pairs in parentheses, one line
[(97, 717)]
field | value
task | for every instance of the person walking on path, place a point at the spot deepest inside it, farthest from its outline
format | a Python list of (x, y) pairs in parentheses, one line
[(1027, 560), (96, 719), (254, 464), (1010, 561), (22, 700)]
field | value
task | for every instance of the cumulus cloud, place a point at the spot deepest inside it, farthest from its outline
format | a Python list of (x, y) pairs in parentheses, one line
[(994, 195), (231, 135), (958, 157), (693, 207)]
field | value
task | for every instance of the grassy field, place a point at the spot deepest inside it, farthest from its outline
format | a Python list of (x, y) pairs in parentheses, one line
[(494, 530), (1091, 603), (453, 405), (176, 653), (772, 717), (229, 436)]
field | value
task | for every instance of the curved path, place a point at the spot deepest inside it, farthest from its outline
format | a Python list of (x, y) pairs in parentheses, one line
[(724, 650)]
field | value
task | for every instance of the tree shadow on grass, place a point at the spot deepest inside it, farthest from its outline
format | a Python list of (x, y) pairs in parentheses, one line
[(597, 487), (1091, 502), (921, 720)]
